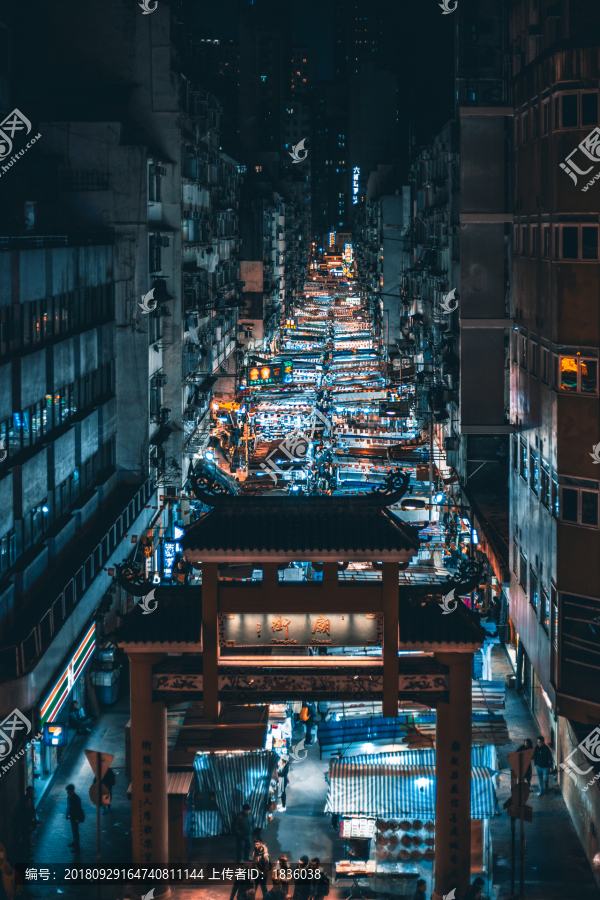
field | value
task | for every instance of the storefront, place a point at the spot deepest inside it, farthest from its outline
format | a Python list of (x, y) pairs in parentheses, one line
[(385, 805), (46, 753)]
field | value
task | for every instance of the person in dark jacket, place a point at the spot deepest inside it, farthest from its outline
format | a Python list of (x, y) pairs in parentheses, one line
[(420, 891), (285, 777), (244, 890), (261, 861), (474, 892), (276, 892), (242, 829), (75, 814), (319, 885), (302, 887), (528, 745), (543, 762)]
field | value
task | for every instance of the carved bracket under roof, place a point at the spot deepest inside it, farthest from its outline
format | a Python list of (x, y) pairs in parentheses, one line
[(130, 576), (207, 488), (465, 579)]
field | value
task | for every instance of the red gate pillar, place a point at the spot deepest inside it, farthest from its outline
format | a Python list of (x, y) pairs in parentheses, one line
[(453, 774), (390, 605), (210, 640), (149, 801)]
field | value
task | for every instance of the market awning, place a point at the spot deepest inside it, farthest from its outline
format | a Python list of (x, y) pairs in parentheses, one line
[(392, 790)]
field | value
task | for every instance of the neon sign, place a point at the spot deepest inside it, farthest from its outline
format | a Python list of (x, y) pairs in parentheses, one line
[(355, 177)]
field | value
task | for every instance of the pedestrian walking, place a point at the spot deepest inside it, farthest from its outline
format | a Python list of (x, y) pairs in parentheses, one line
[(543, 762), (319, 885), (75, 814), (301, 885), (282, 873), (307, 715), (242, 829), (528, 745), (261, 861), (29, 821), (284, 776), (420, 891)]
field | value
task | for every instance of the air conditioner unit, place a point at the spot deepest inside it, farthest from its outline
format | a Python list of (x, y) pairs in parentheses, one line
[(160, 379), (163, 241)]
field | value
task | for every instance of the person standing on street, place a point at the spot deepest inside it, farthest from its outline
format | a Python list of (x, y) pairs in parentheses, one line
[(420, 891), (276, 892), (284, 775), (302, 886), (319, 885), (543, 761), (242, 829), (261, 861), (282, 874), (75, 814)]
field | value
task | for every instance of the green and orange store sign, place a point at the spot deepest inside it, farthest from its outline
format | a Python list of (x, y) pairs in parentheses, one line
[(58, 694)]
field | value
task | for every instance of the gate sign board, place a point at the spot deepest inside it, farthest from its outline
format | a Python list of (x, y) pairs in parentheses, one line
[(300, 630)]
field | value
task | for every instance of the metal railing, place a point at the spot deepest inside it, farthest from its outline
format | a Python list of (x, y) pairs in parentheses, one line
[(15, 660)]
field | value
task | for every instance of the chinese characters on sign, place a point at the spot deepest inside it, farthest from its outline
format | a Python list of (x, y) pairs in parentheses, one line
[(590, 148), (454, 802), (355, 177), (255, 630), (145, 823)]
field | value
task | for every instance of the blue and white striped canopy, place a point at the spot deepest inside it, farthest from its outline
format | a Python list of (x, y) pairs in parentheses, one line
[(484, 755), (237, 778), (386, 789)]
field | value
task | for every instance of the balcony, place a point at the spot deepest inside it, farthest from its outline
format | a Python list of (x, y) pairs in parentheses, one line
[(24, 645)]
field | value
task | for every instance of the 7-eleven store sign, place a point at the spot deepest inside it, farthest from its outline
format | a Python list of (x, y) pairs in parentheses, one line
[(63, 687)]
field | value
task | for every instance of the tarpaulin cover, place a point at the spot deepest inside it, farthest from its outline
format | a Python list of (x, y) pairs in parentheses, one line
[(484, 755), (235, 779), (392, 790)]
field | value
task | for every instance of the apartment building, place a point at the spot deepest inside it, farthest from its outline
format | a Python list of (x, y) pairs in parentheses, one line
[(554, 487)]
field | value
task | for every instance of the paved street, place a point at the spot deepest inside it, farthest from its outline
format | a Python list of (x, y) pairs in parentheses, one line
[(556, 867)]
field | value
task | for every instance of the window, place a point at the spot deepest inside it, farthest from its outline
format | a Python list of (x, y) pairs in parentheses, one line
[(524, 240), (578, 242), (155, 174), (534, 245), (534, 470), (555, 498), (523, 460), (545, 365), (535, 121), (545, 116), (589, 109), (545, 607), (578, 375), (515, 557), (533, 589), (523, 571), (545, 484), (534, 358), (569, 242), (579, 506), (523, 350), (515, 452), (553, 636), (569, 111), (545, 241)]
